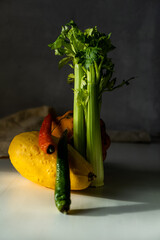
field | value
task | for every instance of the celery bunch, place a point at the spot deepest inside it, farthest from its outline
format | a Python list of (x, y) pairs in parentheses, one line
[(87, 53)]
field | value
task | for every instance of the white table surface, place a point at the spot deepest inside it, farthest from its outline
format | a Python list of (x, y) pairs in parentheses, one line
[(126, 208)]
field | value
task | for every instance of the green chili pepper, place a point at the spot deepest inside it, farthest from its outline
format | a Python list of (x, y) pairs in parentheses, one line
[(62, 184)]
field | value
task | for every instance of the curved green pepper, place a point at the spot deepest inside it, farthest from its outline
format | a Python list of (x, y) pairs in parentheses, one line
[(62, 184)]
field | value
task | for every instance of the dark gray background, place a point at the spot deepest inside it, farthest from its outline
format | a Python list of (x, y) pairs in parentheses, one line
[(29, 73)]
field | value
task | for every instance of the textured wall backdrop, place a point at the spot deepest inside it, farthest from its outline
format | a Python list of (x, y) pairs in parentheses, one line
[(29, 74)]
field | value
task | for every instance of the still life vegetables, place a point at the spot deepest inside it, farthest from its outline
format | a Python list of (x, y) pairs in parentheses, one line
[(28, 153), (34, 164), (68, 151), (66, 122), (87, 53)]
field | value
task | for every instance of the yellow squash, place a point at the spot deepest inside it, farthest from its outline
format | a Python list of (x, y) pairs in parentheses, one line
[(32, 163)]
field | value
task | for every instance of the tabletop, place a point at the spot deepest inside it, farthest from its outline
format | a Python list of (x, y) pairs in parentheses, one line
[(127, 207)]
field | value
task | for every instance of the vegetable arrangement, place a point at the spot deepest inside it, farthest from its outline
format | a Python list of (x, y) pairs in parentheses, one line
[(66, 122), (47, 157), (50, 161), (33, 162), (87, 53)]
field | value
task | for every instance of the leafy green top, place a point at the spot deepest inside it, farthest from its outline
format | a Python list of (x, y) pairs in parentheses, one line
[(87, 48)]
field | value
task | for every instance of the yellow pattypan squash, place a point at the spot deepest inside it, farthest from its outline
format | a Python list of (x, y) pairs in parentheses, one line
[(32, 163)]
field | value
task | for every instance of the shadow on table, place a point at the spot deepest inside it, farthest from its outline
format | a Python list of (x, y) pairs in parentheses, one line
[(121, 183), (125, 184), (111, 210)]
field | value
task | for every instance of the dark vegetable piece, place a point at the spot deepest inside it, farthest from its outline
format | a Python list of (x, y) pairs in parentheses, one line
[(62, 184), (50, 149)]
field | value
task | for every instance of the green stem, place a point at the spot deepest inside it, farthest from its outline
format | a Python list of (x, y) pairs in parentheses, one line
[(78, 113), (93, 139)]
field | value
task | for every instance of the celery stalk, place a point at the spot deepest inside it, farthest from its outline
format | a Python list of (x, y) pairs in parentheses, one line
[(93, 138), (88, 52), (78, 113)]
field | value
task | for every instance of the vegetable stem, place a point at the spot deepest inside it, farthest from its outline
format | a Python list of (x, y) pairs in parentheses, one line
[(78, 113), (88, 50), (93, 139)]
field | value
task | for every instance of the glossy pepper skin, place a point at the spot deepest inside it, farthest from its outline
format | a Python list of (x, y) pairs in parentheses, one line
[(62, 184), (45, 139)]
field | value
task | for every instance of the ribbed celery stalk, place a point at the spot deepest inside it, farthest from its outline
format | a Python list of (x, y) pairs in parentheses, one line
[(88, 51), (93, 138), (78, 114)]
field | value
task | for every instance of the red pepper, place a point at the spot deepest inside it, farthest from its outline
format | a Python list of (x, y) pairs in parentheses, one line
[(45, 139)]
